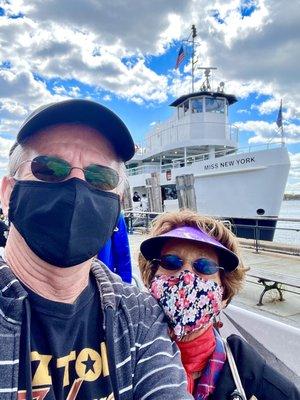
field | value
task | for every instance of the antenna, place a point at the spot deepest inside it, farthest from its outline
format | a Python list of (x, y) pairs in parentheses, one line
[(207, 72)]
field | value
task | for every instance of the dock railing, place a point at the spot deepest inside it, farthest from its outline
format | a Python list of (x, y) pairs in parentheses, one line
[(286, 238), (139, 221)]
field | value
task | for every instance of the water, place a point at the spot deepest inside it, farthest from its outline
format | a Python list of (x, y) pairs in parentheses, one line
[(289, 209)]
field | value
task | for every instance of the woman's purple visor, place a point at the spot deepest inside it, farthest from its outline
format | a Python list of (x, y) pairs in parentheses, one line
[(151, 248)]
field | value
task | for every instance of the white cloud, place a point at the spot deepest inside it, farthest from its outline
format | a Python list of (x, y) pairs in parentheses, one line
[(295, 165), (74, 91), (106, 45), (243, 111), (20, 94), (5, 145), (234, 25), (265, 132), (262, 48), (293, 188), (66, 54), (107, 97), (256, 52), (143, 27), (11, 108), (273, 104)]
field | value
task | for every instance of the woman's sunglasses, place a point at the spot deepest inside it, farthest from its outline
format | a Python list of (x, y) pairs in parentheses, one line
[(172, 262), (54, 169)]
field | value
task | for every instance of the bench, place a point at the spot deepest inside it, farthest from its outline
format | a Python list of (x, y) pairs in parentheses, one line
[(273, 280)]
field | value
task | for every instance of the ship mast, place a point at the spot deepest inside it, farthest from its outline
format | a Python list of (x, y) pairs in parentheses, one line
[(194, 35), (207, 70)]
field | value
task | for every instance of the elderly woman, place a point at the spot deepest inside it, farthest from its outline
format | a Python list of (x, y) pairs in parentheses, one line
[(191, 265)]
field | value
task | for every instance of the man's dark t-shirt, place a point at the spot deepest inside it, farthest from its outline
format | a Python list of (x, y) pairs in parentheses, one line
[(68, 350)]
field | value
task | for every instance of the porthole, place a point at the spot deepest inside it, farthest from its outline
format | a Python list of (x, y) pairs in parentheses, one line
[(260, 211)]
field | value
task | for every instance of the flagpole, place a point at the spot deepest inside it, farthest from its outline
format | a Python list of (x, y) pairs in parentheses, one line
[(282, 137), (180, 56), (279, 123), (282, 134)]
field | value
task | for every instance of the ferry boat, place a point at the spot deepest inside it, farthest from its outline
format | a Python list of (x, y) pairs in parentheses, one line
[(243, 185)]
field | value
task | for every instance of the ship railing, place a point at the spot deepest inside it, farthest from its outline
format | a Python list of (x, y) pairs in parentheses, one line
[(182, 162), (258, 147), (189, 160), (175, 133), (286, 238), (143, 169)]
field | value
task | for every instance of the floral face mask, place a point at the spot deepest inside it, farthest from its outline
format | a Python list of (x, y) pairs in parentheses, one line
[(188, 301)]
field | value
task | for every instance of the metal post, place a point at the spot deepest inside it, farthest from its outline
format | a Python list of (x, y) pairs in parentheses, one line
[(256, 236)]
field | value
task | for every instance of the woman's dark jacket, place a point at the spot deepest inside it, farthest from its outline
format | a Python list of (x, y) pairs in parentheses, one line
[(257, 378)]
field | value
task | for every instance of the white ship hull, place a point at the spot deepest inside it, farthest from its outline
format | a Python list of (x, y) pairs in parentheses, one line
[(233, 186)]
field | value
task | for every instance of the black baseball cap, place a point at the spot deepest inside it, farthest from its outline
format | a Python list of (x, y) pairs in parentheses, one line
[(80, 111)]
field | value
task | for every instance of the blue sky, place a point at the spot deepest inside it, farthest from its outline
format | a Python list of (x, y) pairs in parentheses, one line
[(50, 51)]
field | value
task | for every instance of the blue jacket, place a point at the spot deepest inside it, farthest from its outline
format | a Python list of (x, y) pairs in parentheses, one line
[(116, 252)]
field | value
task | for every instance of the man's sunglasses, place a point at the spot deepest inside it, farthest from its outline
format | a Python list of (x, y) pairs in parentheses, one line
[(54, 169), (172, 262)]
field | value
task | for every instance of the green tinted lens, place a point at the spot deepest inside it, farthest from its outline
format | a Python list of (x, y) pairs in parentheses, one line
[(50, 169), (101, 177)]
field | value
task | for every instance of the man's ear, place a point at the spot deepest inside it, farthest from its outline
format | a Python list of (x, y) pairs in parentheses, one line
[(6, 188)]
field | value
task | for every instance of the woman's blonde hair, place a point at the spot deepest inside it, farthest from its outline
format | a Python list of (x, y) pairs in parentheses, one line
[(231, 281)]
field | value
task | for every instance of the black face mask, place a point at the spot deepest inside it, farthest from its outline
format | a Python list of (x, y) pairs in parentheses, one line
[(63, 223)]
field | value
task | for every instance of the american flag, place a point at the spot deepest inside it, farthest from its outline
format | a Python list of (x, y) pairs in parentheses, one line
[(180, 57)]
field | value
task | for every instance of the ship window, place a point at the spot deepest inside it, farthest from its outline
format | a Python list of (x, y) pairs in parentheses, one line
[(186, 106), (197, 106), (214, 105)]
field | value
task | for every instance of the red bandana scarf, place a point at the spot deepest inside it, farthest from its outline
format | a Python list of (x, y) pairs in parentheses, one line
[(205, 354), (196, 353)]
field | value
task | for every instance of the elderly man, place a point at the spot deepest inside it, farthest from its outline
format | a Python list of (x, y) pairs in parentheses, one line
[(69, 328)]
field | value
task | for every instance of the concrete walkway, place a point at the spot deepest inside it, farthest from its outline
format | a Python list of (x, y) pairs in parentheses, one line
[(287, 311)]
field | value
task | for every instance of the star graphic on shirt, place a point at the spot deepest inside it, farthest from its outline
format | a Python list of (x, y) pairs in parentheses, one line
[(89, 364)]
